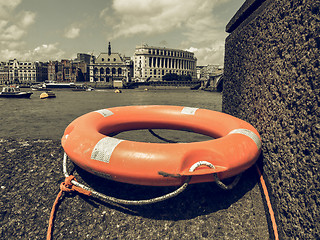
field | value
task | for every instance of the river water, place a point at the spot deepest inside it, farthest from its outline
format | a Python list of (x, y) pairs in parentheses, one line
[(47, 118)]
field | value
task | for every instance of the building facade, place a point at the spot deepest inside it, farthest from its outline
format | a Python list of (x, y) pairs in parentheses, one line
[(4, 73), (152, 63), (109, 67), (17, 72), (68, 70)]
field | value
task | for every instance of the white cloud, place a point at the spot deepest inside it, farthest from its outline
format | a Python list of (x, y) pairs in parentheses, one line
[(12, 33), (13, 27), (193, 20), (213, 54), (72, 32), (6, 6), (26, 18), (154, 17), (44, 53)]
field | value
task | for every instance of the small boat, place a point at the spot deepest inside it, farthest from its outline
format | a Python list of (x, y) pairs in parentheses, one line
[(47, 94), (60, 85), (40, 87), (82, 88), (79, 88), (14, 92), (89, 89), (118, 91)]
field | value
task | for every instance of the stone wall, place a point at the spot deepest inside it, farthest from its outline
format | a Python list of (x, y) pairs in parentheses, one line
[(272, 80)]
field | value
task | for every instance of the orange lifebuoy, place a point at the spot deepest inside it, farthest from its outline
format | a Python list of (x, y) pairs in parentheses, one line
[(235, 147)]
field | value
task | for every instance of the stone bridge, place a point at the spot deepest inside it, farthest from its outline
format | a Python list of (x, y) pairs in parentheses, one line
[(212, 83)]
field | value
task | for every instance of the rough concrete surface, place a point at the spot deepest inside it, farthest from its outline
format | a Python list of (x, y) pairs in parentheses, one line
[(272, 80), (31, 172)]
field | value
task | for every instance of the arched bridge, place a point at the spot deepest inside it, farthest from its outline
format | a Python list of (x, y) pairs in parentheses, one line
[(212, 82)]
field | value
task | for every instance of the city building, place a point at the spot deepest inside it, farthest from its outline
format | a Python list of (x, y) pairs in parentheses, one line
[(52, 70), (152, 63), (110, 68), (83, 57), (69, 70), (4, 73), (18, 72)]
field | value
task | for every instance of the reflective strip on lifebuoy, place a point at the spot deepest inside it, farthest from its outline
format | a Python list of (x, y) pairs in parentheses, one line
[(87, 142)]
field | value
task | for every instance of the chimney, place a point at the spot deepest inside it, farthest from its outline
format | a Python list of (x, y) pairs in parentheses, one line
[(109, 49)]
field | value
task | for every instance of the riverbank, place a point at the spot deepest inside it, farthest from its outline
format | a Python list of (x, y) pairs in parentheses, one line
[(31, 173)]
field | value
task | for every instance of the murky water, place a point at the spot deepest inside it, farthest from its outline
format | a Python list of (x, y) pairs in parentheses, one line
[(48, 118)]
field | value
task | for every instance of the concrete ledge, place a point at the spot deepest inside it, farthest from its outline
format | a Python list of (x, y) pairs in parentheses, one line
[(243, 13), (31, 173)]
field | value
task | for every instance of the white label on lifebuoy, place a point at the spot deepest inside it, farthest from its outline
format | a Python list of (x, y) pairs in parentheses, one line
[(189, 110), (104, 112), (249, 134), (104, 148)]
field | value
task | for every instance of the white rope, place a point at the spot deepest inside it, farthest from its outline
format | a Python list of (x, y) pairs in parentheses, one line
[(123, 201), (152, 200)]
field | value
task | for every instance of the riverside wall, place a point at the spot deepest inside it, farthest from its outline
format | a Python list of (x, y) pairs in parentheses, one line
[(272, 80)]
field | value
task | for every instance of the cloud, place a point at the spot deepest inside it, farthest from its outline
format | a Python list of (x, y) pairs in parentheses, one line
[(156, 17), (6, 6), (191, 20), (213, 54), (13, 26), (26, 18), (44, 53), (12, 33), (72, 32)]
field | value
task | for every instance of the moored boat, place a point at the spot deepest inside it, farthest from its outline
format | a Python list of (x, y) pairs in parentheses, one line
[(80, 88), (60, 85), (40, 87), (13, 92)]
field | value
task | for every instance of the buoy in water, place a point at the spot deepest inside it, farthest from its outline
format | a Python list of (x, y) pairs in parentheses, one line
[(47, 94)]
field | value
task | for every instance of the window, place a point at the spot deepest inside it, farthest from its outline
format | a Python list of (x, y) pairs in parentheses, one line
[(119, 71)]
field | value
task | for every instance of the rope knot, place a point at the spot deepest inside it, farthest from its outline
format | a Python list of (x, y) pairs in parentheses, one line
[(67, 186)]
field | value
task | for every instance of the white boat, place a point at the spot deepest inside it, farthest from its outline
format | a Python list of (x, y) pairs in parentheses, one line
[(40, 87), (13, 92), (60, 85)]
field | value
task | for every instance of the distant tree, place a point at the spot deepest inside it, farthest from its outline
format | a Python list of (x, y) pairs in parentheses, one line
[(185, 77), (176, 77), (171, 77)]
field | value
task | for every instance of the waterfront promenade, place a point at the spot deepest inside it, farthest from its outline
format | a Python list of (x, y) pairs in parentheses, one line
[(31, 175), (31, 172)]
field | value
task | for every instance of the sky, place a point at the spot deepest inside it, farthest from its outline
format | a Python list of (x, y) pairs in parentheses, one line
[(43, 30)]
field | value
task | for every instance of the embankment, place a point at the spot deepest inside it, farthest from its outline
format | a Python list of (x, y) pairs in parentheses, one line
[(272, 80)]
